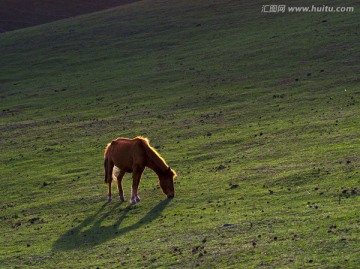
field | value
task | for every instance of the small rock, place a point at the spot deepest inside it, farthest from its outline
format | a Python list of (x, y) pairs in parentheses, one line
[(33, 220), (195, 249), (220, 167)]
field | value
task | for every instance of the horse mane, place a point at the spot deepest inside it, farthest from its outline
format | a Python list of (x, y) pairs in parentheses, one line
[(153, 154), (144, 139)]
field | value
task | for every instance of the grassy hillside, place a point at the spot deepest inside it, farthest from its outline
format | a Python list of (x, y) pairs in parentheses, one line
[(18, 14), (258, 114)]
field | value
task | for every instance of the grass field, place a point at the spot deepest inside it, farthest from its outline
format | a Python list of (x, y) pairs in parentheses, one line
[(18, 14), (257, 113)]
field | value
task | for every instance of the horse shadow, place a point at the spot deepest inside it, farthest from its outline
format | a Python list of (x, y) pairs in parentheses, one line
[(90, 232)]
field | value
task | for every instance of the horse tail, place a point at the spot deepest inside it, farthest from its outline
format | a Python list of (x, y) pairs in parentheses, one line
[(106, 150), (106, 162)]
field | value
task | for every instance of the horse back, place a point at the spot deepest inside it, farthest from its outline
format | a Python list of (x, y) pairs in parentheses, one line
[(127, 153)]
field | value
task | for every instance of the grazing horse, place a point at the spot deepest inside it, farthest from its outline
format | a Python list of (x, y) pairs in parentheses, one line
[(132, 156)]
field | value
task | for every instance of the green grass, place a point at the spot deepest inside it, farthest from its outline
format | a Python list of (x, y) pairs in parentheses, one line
[(257, 113)]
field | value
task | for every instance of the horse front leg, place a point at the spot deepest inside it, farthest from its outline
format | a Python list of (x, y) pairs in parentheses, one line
[(135, 185), (120, 188)]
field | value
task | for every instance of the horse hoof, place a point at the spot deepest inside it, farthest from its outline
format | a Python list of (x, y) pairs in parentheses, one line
[(138, 199), (133, 202), (109, 199), (122, 199)]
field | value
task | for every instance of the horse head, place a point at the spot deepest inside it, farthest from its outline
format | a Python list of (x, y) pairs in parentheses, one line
[(167, 182)]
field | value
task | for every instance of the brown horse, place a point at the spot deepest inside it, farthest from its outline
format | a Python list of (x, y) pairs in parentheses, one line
[(132, 156)]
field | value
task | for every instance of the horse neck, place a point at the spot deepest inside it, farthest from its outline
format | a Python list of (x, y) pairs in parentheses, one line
[(156, 163)]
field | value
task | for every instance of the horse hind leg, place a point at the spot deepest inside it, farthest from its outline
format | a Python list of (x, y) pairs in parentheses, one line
[(110, 167), (106, 164), (119, 183)]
